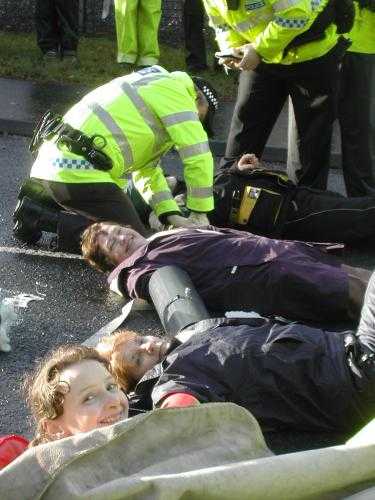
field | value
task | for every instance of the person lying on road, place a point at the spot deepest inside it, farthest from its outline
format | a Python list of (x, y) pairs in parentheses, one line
[(232, 270), (289, 376), (250, 197)]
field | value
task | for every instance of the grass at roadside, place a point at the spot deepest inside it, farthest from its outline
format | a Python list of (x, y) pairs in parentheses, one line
[(21, 58)]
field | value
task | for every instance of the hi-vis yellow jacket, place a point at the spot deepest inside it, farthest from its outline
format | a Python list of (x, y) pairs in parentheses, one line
[(270, 25), (141, 116), (363, 33)]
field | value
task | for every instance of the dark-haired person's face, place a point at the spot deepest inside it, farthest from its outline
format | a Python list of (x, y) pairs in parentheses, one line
[(93, 399), (119, 242)]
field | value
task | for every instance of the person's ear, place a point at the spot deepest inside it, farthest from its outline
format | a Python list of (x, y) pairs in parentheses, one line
[(200, 99), (53, 429)]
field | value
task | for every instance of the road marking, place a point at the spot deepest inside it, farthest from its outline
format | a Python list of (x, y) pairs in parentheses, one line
[(40, 253)]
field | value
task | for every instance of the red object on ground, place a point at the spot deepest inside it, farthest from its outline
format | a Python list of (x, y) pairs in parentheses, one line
[(11, 446), (179, 400)]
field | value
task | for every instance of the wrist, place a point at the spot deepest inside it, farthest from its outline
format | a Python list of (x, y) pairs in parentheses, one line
[(164, 217)]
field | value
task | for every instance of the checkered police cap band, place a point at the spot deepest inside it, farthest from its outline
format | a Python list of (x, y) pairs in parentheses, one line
[(208, 91)]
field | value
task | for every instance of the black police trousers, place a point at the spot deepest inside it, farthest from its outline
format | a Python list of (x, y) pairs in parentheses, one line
[(193, 18), (85, 204), (313, 87), (316, 215), (356, 114), (56, 23)]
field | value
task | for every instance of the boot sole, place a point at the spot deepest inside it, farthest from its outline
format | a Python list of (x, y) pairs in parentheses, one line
[(24, 234)]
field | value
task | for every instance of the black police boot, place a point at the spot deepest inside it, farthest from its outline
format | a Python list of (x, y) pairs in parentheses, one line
[(31, 219)]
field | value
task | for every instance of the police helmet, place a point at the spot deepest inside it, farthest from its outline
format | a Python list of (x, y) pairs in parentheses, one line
[(213, 102)]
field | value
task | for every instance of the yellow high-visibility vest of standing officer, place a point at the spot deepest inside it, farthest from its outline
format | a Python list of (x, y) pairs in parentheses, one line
[(138, 118), (283, 49), (137, 24)]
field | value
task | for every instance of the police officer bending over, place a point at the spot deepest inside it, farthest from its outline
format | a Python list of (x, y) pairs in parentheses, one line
[(120, 128)]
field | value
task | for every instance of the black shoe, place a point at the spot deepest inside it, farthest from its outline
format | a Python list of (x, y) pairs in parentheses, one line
[(31, 219), (23, 233), (25, 223), (51, 55)]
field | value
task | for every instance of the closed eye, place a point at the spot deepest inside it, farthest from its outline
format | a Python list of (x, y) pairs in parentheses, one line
[(88, 397)]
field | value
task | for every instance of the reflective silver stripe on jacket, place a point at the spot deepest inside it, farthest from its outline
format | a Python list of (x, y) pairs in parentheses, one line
[(147, 79), (118, 135), (284, 4), (254, 21), (182, 116), (199, 192), (160, 197), (146, 113), (251, 23), (315, 4), (193, 150)]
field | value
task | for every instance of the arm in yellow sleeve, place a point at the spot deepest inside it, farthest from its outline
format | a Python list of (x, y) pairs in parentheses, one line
[(287, 23), (153, 187)]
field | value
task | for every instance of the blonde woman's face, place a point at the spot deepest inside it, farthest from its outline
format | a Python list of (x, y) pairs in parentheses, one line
[(143, 352), (93, 399)]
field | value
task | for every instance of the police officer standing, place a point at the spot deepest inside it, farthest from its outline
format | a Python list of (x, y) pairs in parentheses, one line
[(283, 47), (120, 128), (193, 19), (357, 103), (137, 25), (56, 23)]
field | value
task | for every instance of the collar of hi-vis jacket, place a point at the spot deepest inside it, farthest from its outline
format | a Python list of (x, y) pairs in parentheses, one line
[(180, 76), (187, 82)]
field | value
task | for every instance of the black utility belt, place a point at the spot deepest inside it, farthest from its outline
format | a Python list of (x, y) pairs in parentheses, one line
[(76, 141)]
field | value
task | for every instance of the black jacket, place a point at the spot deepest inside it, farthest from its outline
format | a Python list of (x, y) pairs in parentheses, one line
[(271, 191), (287, 375)]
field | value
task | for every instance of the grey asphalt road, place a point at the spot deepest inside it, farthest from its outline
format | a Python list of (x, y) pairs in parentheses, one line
[(76, 302)]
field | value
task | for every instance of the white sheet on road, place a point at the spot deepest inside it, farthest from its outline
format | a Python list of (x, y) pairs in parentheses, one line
[(213, 451)]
